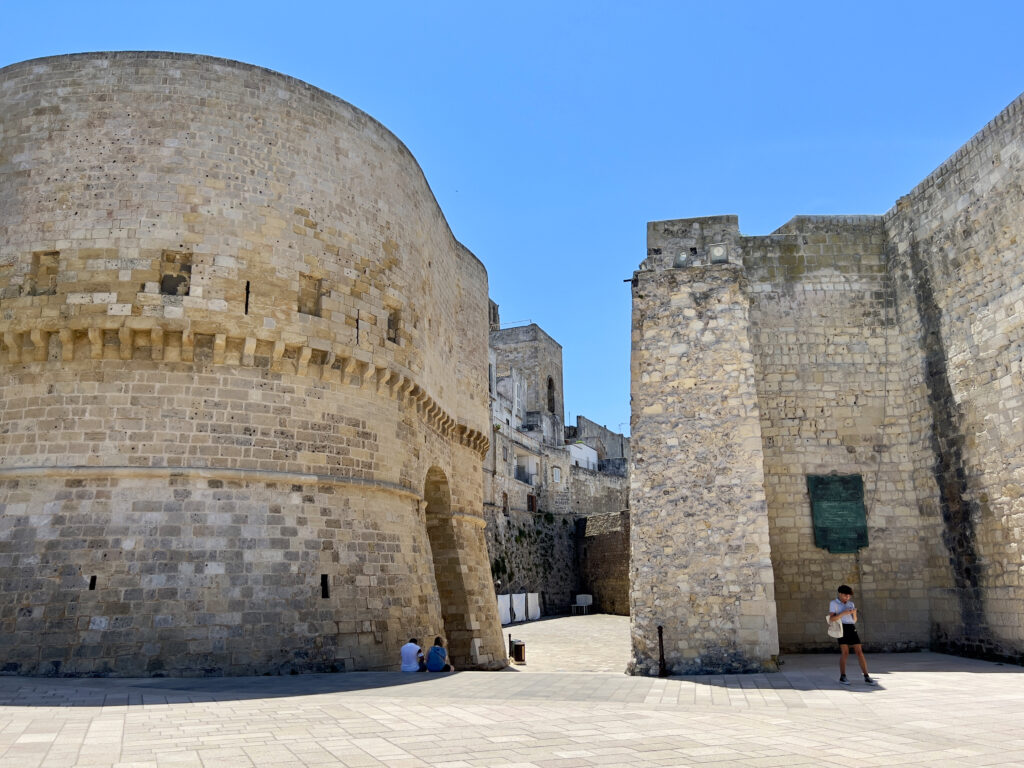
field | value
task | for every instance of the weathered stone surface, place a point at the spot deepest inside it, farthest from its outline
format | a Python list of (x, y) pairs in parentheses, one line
[(243, 372), (701, 564)]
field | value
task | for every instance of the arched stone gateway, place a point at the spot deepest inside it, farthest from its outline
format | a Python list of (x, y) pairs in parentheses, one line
[(228, 306), (448, 571)]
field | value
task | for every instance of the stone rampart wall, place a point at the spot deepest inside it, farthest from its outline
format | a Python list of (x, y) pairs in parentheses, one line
[(229, 307), (954, 248), (534, 552)]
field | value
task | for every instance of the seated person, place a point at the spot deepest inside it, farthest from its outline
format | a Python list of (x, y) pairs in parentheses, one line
[(437, 658), (412, 657)]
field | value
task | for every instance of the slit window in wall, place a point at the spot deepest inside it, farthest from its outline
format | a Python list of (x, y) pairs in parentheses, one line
[(44, 273), (551, 395), (393, 322), (247, 297), (175, 273), (504, 504), (310, 289), (325, 587), (92, 583)]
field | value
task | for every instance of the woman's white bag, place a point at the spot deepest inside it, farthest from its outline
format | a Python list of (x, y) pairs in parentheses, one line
[(835, 628)]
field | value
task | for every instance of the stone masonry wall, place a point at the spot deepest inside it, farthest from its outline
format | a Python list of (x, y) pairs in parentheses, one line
[(954, 247), (887, 347), (233, 437), (833, 400), (534, 552), (603, 547), (597, 493), (701, 565)]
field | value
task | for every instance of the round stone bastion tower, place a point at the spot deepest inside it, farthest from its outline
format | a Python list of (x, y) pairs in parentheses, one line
[(243, 380)]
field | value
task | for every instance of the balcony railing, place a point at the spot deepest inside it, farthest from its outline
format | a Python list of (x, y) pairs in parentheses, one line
[(523, 476)]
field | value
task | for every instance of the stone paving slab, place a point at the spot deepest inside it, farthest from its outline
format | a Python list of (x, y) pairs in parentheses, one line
[(929, 710)]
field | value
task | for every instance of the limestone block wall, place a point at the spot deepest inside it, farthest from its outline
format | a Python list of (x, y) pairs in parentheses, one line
[(700, 554), (603, 547), (595, 493), (833, 399), (954, 248), (234, 437)]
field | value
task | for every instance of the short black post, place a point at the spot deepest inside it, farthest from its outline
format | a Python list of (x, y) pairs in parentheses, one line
[(662, 670)]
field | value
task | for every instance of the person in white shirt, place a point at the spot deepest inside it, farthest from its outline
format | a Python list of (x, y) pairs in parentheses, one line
[(412, 657), (843, 610)]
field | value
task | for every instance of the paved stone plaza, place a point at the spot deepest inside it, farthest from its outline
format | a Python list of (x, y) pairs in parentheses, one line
[(928, 710)]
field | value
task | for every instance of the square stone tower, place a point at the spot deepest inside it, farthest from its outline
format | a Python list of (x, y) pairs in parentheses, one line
[(701, 560)]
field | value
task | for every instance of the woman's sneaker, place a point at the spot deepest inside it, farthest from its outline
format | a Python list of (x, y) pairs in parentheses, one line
[(843, 680), (868, 680)]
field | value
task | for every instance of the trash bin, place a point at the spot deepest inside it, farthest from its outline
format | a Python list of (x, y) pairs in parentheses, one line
[(518, 651)]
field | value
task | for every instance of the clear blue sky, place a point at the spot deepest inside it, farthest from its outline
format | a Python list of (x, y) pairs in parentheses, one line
[(551, 132)]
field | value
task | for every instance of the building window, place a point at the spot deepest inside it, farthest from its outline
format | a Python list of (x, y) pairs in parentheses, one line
[(504, 452), (504, 504), (310, 289), (175, 273), (531, 502), (551, 395), (556, 474), (393, 321)]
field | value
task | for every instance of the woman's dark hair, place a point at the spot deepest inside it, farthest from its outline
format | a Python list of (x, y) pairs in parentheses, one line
[(438, 641)]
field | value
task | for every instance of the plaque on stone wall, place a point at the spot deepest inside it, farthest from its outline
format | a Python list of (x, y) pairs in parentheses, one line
[(837, 512)]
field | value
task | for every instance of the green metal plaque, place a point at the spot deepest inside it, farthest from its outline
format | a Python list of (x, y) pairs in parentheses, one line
[(837, 511)]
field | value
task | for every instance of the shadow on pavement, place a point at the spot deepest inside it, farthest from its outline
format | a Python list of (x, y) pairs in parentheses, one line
[(99, 692)]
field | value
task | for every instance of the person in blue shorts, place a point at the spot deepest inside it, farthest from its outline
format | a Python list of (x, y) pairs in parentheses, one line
[(842, 609)]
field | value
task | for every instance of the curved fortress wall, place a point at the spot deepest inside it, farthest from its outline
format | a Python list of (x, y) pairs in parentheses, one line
[(242, 367)]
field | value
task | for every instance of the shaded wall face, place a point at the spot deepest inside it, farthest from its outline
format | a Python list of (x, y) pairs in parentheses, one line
[(954, 247), (211, 272), (603, 547), (152, 566), (832, 388)]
